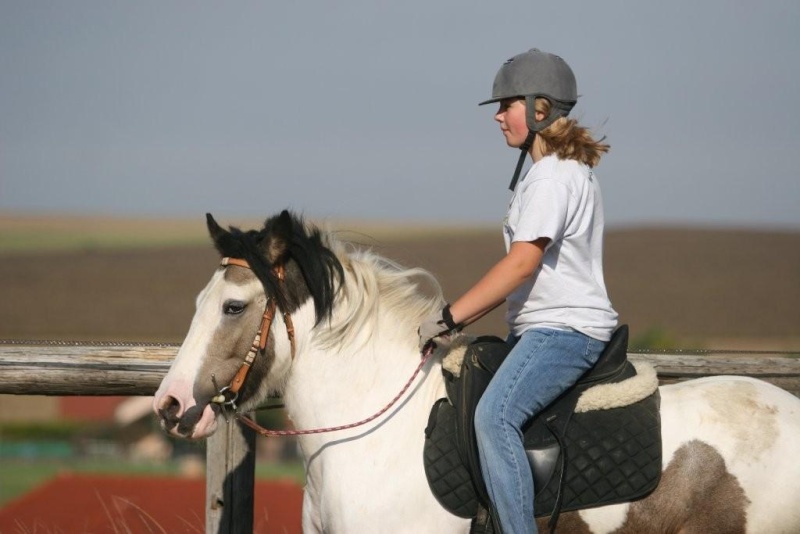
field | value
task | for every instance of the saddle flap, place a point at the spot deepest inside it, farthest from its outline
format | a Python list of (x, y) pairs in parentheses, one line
[(489, 352), (544, 462)]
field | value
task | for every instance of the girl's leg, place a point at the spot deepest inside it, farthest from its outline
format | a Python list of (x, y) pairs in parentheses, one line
[(542, 365)]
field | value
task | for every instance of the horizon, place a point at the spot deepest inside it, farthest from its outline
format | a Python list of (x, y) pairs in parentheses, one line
[(56, 217)]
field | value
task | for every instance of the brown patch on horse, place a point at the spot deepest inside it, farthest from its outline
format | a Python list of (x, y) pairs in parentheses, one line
[(733, 405), (568, 522), (238, 275), (229, 346), (696, 494)]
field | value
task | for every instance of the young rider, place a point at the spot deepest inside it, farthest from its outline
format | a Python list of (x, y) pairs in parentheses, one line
[(551, 277)]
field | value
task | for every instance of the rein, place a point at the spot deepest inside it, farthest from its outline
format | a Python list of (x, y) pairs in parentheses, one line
[(426, 355), (228, 395)]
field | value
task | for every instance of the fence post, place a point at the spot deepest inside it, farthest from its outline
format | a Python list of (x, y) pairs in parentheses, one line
[(230, 480)]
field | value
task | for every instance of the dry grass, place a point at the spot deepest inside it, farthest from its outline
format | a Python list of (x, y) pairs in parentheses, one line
[(34, 234)]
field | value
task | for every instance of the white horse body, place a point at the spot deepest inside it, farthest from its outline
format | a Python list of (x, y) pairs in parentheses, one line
[(729, 443), (755, 427), (369, 478)]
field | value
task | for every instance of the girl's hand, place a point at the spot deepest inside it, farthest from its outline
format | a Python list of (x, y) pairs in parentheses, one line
[(437, 324)]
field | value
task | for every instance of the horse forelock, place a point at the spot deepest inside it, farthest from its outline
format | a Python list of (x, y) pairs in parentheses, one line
[(312, 269), (321, 269), (236, 243)]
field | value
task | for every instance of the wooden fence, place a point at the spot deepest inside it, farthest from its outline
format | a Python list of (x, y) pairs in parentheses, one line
[(132, 369)]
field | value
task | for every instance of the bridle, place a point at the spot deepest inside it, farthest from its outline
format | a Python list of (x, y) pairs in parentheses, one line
[(227, 396)]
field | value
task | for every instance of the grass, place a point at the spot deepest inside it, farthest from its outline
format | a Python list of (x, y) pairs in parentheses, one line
[(21, 476), (654, 338), (31, 234)]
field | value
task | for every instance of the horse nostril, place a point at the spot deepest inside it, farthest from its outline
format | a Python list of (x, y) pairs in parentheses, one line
[(170, 410)]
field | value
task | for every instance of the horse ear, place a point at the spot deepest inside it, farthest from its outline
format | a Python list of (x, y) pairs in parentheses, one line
[(216, 231), (275, 245)]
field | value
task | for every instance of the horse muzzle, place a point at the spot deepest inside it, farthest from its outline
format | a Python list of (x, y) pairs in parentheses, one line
[(195, 422)]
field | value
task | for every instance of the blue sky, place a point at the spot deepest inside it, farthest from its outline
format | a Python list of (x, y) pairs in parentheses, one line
[(368, 109)]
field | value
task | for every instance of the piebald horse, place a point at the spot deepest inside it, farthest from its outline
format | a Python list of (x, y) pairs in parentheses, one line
[(343, 341)]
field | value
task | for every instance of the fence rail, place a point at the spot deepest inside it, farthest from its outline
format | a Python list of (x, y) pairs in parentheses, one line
[(62, 369), (781, 369), (34, 368)]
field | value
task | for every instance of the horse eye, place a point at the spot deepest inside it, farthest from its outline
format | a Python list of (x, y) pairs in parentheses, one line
[(233, 307)]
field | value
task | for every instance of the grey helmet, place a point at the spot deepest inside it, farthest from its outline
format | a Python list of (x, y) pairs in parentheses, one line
[(535, 74)]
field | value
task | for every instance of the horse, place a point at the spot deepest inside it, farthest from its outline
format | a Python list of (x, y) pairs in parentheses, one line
[(339, 327)]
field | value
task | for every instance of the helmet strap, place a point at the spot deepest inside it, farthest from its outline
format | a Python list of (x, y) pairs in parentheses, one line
[(526, 146)]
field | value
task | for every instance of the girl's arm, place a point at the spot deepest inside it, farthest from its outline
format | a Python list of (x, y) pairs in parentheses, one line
[(505, 276)]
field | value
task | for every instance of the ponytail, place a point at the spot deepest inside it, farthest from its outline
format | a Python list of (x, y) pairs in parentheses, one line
[(569, 140)]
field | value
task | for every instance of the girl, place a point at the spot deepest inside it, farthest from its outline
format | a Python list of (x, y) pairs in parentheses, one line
[(559, 314)]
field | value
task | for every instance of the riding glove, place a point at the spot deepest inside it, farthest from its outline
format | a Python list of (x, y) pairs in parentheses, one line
[(437, 324)]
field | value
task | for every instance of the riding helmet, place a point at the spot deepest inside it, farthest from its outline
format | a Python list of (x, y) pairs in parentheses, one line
[(535, 74)]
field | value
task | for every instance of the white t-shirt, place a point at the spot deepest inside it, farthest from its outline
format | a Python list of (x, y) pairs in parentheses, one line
[(560, 200)]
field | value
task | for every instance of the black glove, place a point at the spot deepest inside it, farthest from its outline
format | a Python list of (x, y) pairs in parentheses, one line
[(437, 324)]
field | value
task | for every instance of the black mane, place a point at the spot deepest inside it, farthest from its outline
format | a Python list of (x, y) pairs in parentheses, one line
[(312, 269)]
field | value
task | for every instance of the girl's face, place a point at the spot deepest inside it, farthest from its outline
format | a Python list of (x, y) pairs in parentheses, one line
[(511, 117)]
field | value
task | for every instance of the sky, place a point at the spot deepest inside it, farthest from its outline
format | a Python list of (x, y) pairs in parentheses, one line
[(367, 109)]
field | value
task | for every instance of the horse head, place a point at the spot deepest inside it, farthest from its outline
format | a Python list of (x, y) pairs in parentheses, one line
[(272, 286)]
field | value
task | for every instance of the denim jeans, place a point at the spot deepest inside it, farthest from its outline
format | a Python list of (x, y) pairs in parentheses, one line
[(542, 364)]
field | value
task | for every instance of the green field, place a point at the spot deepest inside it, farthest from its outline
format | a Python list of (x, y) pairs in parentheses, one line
[(27, 233), (32, 234)]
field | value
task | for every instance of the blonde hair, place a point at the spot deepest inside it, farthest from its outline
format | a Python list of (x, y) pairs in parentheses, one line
[(569, 140)]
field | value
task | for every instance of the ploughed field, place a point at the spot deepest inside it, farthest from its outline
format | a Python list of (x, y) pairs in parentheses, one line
[(699, 288)]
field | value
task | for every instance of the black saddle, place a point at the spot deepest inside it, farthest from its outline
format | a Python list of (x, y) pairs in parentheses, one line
[(578, 460)]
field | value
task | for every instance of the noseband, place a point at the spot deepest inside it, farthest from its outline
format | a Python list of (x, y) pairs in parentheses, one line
[(227, 396)]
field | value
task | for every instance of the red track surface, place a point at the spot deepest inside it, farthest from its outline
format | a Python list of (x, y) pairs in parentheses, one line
[(109, 504)]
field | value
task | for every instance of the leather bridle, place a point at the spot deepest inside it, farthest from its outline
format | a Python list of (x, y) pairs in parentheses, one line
[(227, 396)]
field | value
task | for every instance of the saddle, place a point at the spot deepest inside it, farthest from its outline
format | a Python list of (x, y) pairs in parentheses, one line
[(599, 443)]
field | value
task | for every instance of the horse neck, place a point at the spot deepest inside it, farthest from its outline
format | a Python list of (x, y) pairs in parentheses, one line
[(326, 385), (354, 363), (348, 382)]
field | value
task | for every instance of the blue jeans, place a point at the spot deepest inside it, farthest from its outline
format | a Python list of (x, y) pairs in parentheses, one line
[(542, 364)]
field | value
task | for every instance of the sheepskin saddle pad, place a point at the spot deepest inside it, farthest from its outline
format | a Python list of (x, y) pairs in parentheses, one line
[(597, 444)]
